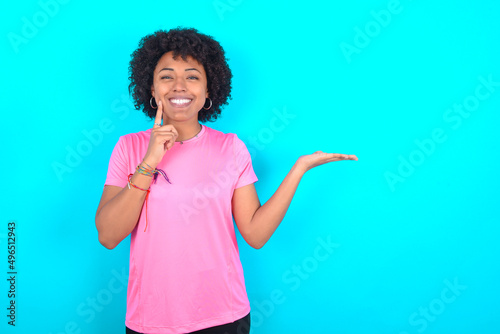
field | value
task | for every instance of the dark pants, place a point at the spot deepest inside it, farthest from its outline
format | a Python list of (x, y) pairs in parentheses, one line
[(241, 326)]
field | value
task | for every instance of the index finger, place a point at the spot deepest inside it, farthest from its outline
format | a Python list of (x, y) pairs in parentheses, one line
[(159, 115)]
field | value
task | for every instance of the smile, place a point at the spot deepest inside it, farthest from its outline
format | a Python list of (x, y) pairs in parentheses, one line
[(180, 102)]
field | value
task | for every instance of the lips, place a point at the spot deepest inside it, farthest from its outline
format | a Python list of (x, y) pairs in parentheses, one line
[(180, 102)]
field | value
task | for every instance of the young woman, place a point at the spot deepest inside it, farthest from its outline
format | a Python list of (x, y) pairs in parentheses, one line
[(176, 188)]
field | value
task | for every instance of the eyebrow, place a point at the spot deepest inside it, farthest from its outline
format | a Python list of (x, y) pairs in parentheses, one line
[(187, 69)]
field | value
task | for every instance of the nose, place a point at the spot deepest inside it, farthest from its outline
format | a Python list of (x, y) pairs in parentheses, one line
[(179, 85)]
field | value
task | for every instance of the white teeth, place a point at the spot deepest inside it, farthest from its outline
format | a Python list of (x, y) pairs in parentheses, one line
[(180, 101)]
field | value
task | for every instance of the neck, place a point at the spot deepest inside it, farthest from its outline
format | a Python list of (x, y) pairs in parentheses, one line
[(186, 131)]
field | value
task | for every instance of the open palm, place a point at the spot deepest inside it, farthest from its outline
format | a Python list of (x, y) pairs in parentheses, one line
[(320, 158)]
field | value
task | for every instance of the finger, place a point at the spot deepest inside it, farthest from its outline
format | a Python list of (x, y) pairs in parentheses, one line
[(167, 135), (338, 157), (346, 157), (349, 157), (171, 142), (174, 131), (159, 115), (165, 138), (168, 129)]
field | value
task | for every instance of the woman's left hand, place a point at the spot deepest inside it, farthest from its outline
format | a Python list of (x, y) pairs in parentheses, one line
[(318, 158)]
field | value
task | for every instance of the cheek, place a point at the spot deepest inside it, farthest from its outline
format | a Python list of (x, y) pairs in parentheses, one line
[(201, 90), (159, 89)]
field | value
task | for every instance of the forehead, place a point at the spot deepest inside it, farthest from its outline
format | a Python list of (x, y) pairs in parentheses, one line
[(167, 60)]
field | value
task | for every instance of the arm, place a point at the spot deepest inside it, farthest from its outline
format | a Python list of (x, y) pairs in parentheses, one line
[(119, 211), (257, 223), (120, 208)]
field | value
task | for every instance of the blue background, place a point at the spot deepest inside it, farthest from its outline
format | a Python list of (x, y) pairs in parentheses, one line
[(414, 222)]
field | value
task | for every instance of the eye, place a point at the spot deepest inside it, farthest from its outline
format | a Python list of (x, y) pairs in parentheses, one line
[(193, 77), (166, 77)]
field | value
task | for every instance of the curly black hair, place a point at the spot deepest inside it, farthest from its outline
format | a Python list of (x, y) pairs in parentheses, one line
[(183, 42)]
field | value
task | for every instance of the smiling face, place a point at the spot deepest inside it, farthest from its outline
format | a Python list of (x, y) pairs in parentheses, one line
[(181, 86)]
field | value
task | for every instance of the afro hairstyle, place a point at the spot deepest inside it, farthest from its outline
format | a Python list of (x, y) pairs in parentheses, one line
[(183, 42)]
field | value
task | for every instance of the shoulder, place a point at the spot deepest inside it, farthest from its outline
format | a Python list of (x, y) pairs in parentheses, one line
[(135, 138), (216, 133), (229, 142), (136, 135), (219, 135)]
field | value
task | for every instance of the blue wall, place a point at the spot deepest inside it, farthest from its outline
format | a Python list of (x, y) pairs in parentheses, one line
[(403, 241)]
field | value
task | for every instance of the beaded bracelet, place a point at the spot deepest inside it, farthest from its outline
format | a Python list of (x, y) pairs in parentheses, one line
[(144, 170), (151, 172), (130, 183), (148, 165), (148, 172)]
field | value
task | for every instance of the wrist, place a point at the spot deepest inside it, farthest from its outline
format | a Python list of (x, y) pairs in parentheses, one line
[(298, 169), (149, 163)]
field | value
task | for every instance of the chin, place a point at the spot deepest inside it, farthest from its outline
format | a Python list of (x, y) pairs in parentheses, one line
[(180, 117)]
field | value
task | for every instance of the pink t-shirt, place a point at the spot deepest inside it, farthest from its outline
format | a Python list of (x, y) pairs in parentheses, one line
[(185, 272)]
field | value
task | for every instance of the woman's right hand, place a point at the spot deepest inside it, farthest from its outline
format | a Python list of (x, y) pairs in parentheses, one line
[(162, 139)]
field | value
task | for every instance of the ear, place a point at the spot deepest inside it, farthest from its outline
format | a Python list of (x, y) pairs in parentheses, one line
[(152, 90), (207, 94)]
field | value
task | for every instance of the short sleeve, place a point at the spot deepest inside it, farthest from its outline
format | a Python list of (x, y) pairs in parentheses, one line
[(118, 166), (244, 163)]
